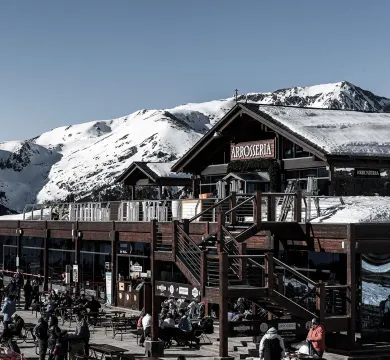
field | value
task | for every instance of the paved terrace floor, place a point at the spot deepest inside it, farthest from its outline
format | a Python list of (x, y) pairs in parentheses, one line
[(206, 352)]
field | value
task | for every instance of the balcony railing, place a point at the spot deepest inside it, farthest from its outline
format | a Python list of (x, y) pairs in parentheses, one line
[(239, 208)]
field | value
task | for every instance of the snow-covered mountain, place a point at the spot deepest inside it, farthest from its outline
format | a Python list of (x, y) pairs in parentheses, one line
[(81, 160)]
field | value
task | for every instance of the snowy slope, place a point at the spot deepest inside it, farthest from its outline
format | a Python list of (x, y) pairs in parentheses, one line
[(86, 158)]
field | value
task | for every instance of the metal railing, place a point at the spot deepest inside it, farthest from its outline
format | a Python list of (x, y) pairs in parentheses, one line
[(273, 208), (295, 286), (188, 252)]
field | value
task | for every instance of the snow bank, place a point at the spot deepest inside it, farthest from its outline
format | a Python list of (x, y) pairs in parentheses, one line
[(355, 209)]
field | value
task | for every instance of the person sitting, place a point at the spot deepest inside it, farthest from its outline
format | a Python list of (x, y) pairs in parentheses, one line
[(53, 296), (168, 322), (93, 305), (17, 327), (184, 323), (272, 346), (82, 300), (316, 338)]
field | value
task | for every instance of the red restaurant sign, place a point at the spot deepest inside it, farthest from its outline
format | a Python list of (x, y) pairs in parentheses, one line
[(261, 149)]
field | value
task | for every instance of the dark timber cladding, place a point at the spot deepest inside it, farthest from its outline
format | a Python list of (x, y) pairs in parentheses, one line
[(247, 133)]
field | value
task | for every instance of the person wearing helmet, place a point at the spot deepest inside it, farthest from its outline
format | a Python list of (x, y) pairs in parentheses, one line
[(316, 338), (272, 346)]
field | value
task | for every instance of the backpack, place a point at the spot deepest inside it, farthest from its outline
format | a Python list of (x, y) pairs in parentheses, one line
[(272, 349)]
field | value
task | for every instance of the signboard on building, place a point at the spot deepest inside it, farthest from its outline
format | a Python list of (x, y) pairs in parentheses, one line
[(176, 290), (286, 328), (136, 268), (367, 173), (75, 274), (261, 149)]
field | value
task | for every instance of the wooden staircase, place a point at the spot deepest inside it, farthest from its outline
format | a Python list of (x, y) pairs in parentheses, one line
[(275, 289)]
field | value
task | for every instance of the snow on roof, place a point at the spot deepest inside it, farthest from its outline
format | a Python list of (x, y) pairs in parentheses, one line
[(164, 170), (337, 132)]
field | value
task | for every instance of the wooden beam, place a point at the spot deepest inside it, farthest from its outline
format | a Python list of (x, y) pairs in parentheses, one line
[(351, 282), (223, 304)]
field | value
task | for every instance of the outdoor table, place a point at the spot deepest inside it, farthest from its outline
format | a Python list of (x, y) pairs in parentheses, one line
[(118, 313), (106, 350)]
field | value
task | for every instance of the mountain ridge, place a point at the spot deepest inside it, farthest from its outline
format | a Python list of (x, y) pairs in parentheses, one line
[(82, 161)]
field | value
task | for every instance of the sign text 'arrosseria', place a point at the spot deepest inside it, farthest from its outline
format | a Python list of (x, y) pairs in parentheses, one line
[(253, 150)]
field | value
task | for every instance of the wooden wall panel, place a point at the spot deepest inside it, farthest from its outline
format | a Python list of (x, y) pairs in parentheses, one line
[(135, 237), (33, 224), (61, 234)]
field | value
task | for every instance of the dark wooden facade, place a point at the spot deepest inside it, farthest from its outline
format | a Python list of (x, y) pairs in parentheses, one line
[(297, 157)]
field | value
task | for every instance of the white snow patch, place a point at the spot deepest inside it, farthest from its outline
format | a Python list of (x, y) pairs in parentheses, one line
[(164, 170), (335, 131)]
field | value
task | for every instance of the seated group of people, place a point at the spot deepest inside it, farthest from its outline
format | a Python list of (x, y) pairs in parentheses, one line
[(56, 301)]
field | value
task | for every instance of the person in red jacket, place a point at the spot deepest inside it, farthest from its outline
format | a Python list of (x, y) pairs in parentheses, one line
[(316, 338)]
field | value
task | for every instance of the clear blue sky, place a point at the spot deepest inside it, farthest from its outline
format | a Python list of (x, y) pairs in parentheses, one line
[(72, 61)]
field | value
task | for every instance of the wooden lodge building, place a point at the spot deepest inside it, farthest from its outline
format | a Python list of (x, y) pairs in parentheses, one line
[(246, 231)]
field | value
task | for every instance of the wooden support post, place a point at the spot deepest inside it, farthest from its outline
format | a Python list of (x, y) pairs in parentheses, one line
[(320, 301), (257, 209), (133, 192), (155, 302), (77, 249), (186, 226), (46, 260), (114, 236), (232, 204), (243, 261), (220, 233), (223, 305), (351, 282), (298, 206), (203, 273), (271, 208)]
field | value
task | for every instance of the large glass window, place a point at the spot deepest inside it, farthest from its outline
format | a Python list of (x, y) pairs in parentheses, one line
[(31, 259), (93, 256), (61, 253), (9, 257), (5, 243)]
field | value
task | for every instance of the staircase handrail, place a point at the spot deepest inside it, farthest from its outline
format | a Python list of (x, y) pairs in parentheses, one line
[(210, 208), (232, 237), (188, 238), (336, 287), (296, 273), (240, 204), (255, 262)]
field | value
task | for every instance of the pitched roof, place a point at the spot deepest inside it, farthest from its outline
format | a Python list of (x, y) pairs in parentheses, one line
[(324, 132), (153, 170)]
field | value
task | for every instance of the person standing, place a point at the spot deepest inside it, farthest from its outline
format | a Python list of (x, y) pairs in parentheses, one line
[(272, 346), (27, 294), (54, 333), (316, 338), (82, 331), (41, 333), (9, 308), (146, 326)]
